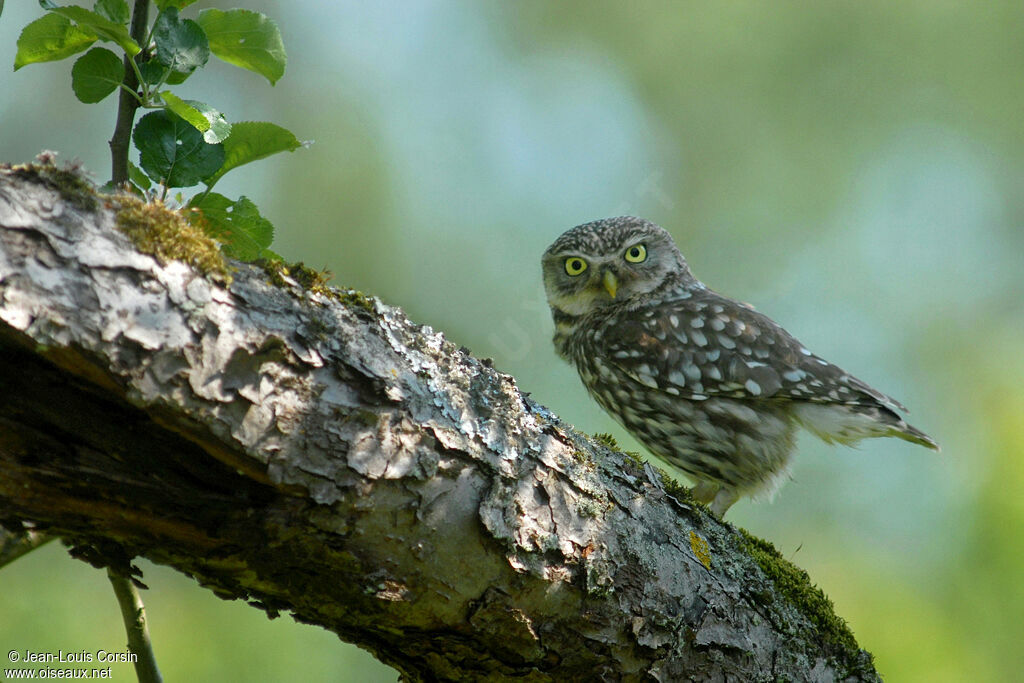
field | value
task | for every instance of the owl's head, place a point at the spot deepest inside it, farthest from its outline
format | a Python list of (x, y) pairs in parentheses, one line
[(609, 262)]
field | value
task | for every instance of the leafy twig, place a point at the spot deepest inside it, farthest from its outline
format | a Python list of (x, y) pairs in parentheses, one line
[(183, 142)]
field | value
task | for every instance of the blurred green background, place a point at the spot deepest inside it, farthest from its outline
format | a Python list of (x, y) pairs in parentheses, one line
[(852, 169)]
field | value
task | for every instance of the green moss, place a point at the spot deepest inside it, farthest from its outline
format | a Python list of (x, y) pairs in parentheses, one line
[(635, 457), (672, 486), (352, 297), (609, 441), (165, 234), (68, 182), (275, 270), (796, 586), (313, 281)]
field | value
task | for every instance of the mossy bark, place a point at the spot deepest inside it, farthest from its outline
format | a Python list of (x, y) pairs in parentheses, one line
[(315, 452)]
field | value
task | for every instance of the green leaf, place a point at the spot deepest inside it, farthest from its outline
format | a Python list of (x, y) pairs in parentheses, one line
[(180, 4), (219, 128), (180, 43), (239, 225), (50, 38), (110, 188), (172, 151), (140, 179), (207, 120), (115, 10), (152, 71), (96, 74), (186, 111), (253, 140), (101, 26), (177, 77), (247, 39)]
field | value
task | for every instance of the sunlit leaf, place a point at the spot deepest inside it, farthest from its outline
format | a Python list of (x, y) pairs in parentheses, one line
[(101, 26), (180, 4), (219, 128), (253, 140), (49, 38), (114, 10), (185, 111), (247, 39), (210, 122)]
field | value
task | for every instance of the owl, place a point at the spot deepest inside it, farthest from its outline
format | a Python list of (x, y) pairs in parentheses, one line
[(705, 382)]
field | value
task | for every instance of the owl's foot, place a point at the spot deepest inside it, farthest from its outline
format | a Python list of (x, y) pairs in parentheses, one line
[(717, 497), (723, 501), (704, 492)]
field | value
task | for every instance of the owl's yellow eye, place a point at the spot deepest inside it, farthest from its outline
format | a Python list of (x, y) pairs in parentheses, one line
[(574, 265), (636, 253)]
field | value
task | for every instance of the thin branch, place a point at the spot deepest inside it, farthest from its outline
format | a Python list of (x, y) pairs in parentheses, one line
[(128, 102), (134, 614), (16, 544)]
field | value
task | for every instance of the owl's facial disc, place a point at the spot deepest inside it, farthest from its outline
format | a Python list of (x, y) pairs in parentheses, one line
[(607, 263)]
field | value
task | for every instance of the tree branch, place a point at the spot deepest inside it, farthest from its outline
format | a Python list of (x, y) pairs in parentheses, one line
[(315, 452)]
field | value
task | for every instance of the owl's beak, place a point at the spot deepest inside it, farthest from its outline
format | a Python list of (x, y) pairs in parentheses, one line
[(611, 283)]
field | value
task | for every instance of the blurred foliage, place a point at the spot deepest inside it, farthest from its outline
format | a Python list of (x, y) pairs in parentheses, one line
[(851, 169)]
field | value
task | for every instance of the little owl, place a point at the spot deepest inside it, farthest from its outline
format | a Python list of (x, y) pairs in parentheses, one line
[(706, 383)]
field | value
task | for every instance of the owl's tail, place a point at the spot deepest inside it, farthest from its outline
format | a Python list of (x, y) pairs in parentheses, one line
[(847, 424), (914, 435)]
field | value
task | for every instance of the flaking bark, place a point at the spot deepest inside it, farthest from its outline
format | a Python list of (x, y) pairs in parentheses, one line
[(321, 455)]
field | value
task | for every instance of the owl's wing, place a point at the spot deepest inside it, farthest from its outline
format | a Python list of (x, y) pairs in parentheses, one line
[(707, 345)]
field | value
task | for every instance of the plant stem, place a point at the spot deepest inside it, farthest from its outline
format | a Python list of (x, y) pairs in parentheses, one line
[(134, 614), (128, 102)]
